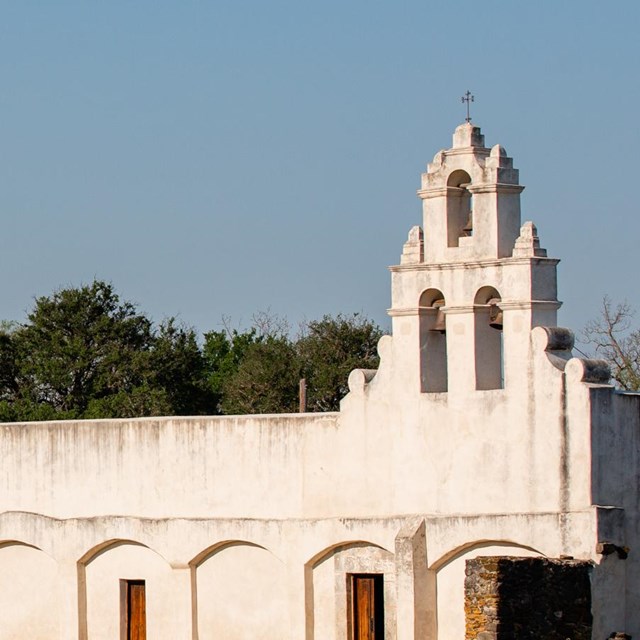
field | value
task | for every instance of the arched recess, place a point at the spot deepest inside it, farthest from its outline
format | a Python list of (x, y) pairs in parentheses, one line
[(240, 591), (433, 342), (459, 207), (327, 587), (450, 580), (101, 573), (29, 592), (488, 339)]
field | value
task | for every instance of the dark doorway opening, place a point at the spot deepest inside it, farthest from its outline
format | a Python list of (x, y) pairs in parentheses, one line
[(366, 606), (133, 610)]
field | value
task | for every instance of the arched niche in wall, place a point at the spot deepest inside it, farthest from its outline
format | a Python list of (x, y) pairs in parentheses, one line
[(106, 570), (433, 342), (459, 207), (240, 592), (488, 343), (28, 592)]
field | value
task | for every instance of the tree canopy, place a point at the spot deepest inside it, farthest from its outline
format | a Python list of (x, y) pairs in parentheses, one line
[(329, 349), (85, 353)]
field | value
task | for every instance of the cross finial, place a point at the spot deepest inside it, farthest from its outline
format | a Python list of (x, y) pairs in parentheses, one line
[(467, 97)]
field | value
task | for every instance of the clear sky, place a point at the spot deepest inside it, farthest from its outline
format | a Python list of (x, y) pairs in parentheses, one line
[(218, 158)]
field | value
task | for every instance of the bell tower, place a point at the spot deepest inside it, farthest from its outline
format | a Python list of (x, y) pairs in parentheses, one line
[(471, 200), (473, 281)]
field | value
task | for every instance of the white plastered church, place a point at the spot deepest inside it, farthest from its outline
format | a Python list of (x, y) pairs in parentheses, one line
[(479, 435)]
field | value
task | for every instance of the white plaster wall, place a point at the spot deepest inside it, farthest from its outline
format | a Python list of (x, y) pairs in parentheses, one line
[(450, 589), (242, 595), (486, 452), (324, 600), (233, 467), (28, 594)]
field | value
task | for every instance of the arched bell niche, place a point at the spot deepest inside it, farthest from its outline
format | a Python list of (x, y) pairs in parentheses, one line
[(459, 207), (488, 338), (433, 342)]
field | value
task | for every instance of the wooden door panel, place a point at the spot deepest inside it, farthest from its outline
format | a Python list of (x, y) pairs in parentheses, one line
[(364, 608), (137, 612), (133, 610), (368, 607)]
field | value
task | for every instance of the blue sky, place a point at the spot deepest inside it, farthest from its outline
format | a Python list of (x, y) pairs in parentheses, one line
[(218, 158)]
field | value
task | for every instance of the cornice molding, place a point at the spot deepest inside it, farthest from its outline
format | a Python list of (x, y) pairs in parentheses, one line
[(467, 151), (495, 187), (403, 311), (466, 265), (481, 187), (505, 305)]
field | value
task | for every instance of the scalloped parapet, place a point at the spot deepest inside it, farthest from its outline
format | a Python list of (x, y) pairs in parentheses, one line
[(467, 135), (553, 339), (360, 378), (498, 158), (484, 166), (556, 342), (471, 201), (528, 243), (591, 370), (413, 249)]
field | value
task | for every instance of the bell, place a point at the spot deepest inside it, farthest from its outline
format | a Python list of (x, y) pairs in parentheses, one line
[(495, 314), (467, 230), (439, 325)]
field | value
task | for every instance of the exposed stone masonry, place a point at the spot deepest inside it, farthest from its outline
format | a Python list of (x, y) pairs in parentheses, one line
[(527, 598)]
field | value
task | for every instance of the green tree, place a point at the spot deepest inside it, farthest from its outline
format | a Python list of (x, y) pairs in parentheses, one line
[(266, 379), (80, 344), (258, 371), (84, 353), (223, 351), (179, 368), (329, 349)]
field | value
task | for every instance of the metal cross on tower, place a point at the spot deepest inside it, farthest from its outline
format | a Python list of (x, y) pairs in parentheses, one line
[(467, 97)]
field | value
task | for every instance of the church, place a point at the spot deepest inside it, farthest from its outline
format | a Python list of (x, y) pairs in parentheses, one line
[(481, 484)]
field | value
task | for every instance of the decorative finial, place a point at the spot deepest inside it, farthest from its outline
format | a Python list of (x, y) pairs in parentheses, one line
[(467, 97)]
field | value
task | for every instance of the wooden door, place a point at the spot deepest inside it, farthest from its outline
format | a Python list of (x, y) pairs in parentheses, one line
[(134, 610), (367, 607)]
